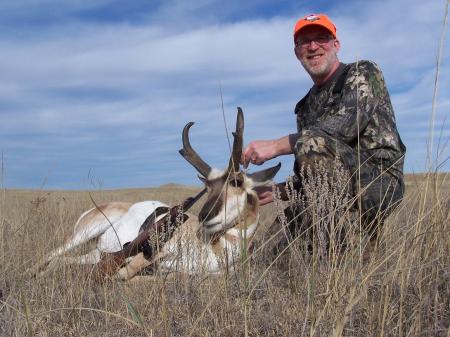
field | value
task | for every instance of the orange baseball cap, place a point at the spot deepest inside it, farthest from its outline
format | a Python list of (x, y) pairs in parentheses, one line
[(315, 20)]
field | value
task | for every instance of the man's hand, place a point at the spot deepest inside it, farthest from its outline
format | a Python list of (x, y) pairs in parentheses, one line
[(258, 151), (265, 195)]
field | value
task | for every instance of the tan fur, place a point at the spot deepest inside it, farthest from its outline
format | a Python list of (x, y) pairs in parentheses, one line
[(217, 248), (98, 214), (250, 218), (139, 262)]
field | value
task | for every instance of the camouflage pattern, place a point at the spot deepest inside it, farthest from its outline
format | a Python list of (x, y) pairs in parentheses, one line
[(350, 119), (379, 190), (361, 107)]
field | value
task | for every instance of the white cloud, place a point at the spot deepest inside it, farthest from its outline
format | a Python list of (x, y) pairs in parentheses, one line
[(109, 85)]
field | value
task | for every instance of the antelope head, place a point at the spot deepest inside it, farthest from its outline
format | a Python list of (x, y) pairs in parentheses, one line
[(231, 198)]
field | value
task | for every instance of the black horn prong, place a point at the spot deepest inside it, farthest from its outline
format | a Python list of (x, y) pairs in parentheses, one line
[(190, 155), (237, 142)]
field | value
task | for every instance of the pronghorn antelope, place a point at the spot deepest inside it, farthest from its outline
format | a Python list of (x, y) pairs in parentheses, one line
[(225, 224)]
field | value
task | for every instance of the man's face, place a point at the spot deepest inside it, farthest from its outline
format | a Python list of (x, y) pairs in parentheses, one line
[(316, 49)]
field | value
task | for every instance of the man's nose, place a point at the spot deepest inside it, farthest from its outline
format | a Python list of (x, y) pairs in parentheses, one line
[(313, 45)]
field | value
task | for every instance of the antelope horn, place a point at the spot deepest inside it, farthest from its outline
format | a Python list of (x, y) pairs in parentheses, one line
[(237, 142), (191, 156)]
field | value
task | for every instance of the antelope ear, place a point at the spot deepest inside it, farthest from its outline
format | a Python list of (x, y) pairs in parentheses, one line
[(264, 176)]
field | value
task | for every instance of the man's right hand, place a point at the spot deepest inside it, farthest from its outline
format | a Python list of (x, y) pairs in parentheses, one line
[(258, 152)]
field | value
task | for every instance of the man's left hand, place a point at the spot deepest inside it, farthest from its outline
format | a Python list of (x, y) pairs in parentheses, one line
[(265, 195)]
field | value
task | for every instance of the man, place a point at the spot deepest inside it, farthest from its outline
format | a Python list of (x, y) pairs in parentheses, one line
[(345, 119)]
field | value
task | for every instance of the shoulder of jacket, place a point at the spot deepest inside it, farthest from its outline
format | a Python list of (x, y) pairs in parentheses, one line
[(364, 72), (364, 66)]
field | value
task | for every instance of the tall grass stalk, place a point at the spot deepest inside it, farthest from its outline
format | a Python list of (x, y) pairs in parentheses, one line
[(435, 89), (402, 289)]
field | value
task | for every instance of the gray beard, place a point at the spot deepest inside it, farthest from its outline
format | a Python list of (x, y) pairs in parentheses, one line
[(323, 70)]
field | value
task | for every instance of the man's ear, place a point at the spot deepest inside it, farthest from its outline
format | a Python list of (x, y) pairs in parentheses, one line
[(264, 176), (337, 44)]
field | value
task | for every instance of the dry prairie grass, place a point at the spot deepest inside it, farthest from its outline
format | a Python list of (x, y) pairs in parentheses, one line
[(402, 290)]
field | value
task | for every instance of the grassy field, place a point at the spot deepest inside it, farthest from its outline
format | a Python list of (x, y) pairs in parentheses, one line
[(402, 289)]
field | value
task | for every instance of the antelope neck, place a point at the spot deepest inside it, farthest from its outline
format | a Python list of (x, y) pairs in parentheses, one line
[(244, 229)]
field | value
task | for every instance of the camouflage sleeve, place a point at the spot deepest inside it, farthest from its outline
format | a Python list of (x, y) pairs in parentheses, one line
[(363, 88)]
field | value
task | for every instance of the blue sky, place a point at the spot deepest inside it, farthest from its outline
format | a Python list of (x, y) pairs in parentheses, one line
[(94, 94)]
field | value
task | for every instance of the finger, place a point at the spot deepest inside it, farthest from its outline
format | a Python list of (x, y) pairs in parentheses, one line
[(246, 161), (246, 157), (254, 158), (257, 160), (242, 159)]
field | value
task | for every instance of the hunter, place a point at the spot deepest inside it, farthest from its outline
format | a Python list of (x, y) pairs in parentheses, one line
[(346, 118)]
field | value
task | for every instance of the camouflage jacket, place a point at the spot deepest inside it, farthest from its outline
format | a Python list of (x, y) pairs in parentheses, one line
[(355, 101)]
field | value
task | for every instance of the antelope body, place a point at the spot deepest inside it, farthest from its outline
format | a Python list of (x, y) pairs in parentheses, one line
[(207, 243)]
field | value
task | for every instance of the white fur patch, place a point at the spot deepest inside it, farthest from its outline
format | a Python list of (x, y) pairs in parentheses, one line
[(215, 173), (248, 183), (189, 257), (235, 207), (127, 227), (247, 233)]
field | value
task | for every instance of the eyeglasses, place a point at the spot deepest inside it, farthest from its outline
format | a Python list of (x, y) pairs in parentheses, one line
[(320, 40)]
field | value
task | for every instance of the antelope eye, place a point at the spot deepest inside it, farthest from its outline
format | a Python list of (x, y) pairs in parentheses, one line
[(235, 182)]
